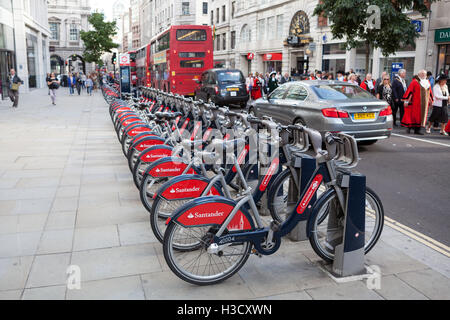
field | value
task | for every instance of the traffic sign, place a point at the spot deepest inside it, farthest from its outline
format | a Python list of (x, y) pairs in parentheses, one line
[(124, 60)]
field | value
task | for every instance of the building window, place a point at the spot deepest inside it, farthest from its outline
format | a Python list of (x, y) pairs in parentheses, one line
[(218, 42), (262, 29), (224, 41), (246, 34), (270, 28), (233, 39), (217, 15), (233, 8), (54, 30), (205, 7), (73, 32), (185, 8), (280, 26), (223, 14)]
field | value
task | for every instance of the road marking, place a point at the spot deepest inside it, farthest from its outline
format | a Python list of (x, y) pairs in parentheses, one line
[(422, 140), (420, 237)]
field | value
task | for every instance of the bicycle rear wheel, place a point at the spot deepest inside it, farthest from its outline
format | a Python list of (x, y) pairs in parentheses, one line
[(373, 224), (197, 266)]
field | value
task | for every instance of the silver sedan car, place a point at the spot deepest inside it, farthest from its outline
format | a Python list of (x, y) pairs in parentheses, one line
[(332, 106)]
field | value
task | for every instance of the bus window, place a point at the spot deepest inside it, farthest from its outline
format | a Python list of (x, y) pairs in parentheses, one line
[(191, 35), (191, 64), (164, 42), (191, 54)]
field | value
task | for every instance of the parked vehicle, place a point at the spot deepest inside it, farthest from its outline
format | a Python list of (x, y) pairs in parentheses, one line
[(332, 106), (223, 87)]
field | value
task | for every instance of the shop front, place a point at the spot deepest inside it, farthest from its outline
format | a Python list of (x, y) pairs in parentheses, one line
[(7, 57), (442, 39), (272, 62)]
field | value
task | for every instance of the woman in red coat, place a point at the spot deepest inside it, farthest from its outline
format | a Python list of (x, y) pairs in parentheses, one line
[(256, 88), (417, 99)]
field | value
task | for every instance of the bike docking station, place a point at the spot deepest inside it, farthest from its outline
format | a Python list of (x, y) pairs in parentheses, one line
[(345, 230)]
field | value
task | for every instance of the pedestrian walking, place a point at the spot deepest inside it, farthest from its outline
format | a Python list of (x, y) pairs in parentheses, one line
[(14, 83), (256, 87), (72, 81), (399, 87), (53, 84), (417, 100), (380, 80), (285, 78), (89, 85), (369, 84), (440, 102), (79, 84), (384, 90), (273, 82), (352, 79)]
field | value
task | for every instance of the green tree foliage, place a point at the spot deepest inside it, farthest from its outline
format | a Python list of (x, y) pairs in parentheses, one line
[(349, 19), (99, 40)]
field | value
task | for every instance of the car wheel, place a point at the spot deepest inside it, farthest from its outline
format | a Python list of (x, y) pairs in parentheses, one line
[(367, 142), (300, 121)]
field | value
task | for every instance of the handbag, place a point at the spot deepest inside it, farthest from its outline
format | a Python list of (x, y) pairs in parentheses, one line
[(15, 86)]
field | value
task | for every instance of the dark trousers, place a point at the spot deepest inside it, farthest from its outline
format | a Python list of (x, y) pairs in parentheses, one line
[(14, 96), (396, 106), (79, 89)]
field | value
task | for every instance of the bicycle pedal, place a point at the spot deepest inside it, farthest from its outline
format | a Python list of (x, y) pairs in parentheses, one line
[(275, 225), (255, 252)]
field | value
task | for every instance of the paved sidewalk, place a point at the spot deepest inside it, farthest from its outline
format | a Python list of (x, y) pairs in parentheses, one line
[(67, 198)]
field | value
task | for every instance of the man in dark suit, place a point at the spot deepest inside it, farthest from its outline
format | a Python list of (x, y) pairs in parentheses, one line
[(399, 87), (13, 85)]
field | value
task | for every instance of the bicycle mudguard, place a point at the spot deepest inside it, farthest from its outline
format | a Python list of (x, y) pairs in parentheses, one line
[(187, 187), (129, 120), (208, 211), (137, 129), (146, 142), (155, 152), (169, 167), (141, 136)]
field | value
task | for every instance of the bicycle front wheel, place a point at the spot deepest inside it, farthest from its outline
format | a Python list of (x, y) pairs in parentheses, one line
[(320, 220), (197, 266)]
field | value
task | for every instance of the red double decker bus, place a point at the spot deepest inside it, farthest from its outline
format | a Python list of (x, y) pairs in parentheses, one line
[(143, 66), (179, 56), (133, 67)]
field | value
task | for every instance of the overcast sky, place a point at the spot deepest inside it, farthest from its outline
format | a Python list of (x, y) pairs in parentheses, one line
[(104, 6)]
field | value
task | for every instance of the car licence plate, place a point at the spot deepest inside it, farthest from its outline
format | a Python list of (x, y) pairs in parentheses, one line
[(232, 89), (364, 116), (233, 93)]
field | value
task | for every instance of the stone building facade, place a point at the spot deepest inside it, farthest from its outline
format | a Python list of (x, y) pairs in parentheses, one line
[(24, 43), (66, 19)]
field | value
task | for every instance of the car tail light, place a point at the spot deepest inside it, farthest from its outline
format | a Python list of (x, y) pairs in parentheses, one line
[(217, 89), (246, 86), (334, 113), (386, 112)]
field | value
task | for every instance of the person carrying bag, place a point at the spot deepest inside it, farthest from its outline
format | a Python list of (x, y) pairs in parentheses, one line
[(14, 83), (53, 85)]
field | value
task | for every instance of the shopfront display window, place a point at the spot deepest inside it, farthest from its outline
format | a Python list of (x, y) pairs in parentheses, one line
[(31, 59), (443, 65)]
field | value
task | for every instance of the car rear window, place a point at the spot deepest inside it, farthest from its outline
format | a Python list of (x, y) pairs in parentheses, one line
[(230, 76), (340, 92)]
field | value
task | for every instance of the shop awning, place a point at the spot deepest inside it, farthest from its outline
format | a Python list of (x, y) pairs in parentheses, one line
[(273, 57)]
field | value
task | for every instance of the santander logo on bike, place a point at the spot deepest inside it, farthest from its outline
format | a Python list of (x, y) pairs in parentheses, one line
[(273, 167), (184, 190), (197, 215), (309, 194)]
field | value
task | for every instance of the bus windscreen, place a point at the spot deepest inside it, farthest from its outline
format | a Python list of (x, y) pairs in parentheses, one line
[(191, 35)]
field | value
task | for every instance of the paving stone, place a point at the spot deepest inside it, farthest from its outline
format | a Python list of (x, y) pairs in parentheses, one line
[(391, 260), (10, 295), (19, 244), (165, 285), (14, 272), (7, 207), (297, 295), (392, 288), (136, 233), (97, 217), (65, 204), (8, 183), (125, 288), (429, 282), (27, 193), (60, 220), (67, 192), (116, 262), (344, 291), (96, 238), (49, 270), (45, 293), (31, 223), (70, 179), (36, 206), (56, 241), (38, 182)]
